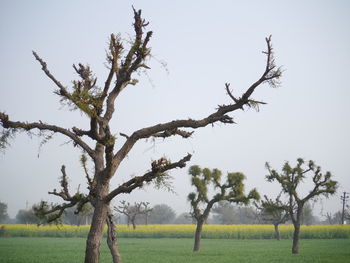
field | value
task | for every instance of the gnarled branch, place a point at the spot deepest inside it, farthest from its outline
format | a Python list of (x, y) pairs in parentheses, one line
[(134, 59), (271, 74), (27, 126), (158, 168)]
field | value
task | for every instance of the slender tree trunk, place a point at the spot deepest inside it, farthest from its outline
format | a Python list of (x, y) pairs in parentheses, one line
[(92, 252), (296, 237), (112, 238), (277, 232), (198, 234)]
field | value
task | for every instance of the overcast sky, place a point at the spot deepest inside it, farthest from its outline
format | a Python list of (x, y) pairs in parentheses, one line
[(204, 44)]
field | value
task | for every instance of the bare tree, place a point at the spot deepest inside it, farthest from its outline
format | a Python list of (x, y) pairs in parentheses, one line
[(98, 142), (201, 204), (335, 218), (289, 180), (146, 212), (330, 218), (133, 211)]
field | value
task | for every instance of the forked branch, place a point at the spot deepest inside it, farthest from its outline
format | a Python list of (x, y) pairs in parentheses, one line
[(134, 59), (53, 212)]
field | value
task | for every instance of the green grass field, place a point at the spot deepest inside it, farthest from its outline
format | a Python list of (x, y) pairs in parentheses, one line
[(70, 250)]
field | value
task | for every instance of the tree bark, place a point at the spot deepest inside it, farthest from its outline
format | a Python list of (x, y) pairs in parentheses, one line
[(112, 238), (92, 252), (277, 232), (198, 235), (296, 237)]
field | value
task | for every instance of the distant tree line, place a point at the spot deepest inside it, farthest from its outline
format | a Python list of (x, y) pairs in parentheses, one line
[(28, 216), (222, 213)]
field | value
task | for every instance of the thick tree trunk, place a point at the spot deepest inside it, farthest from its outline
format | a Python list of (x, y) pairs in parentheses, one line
[(112, 238), (296, 237), (92, 252), (277, 232), (198, 235)]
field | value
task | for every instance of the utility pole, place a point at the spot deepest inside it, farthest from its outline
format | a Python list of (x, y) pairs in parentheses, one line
[(344, 199)]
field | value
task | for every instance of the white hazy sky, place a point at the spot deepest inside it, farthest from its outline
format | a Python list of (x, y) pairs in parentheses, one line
[(205, 44)]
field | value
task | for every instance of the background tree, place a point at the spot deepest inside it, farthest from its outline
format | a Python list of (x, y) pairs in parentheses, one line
[(232, 191), (290, 178), (274, 211), (331, 219), (247, 214), (307, 216), (144, 217), (183, 219), (132, 211), (84, 217), (27, 217), (162, 214), (347, 214), (4, 217), (98, 142), (227, 214), (336, 218)]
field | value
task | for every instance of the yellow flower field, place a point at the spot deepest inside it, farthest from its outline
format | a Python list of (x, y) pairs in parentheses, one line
[(181, 231)]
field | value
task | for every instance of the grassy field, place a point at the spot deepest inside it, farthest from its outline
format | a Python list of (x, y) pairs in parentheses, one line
[(56, 250), (183, 231)]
